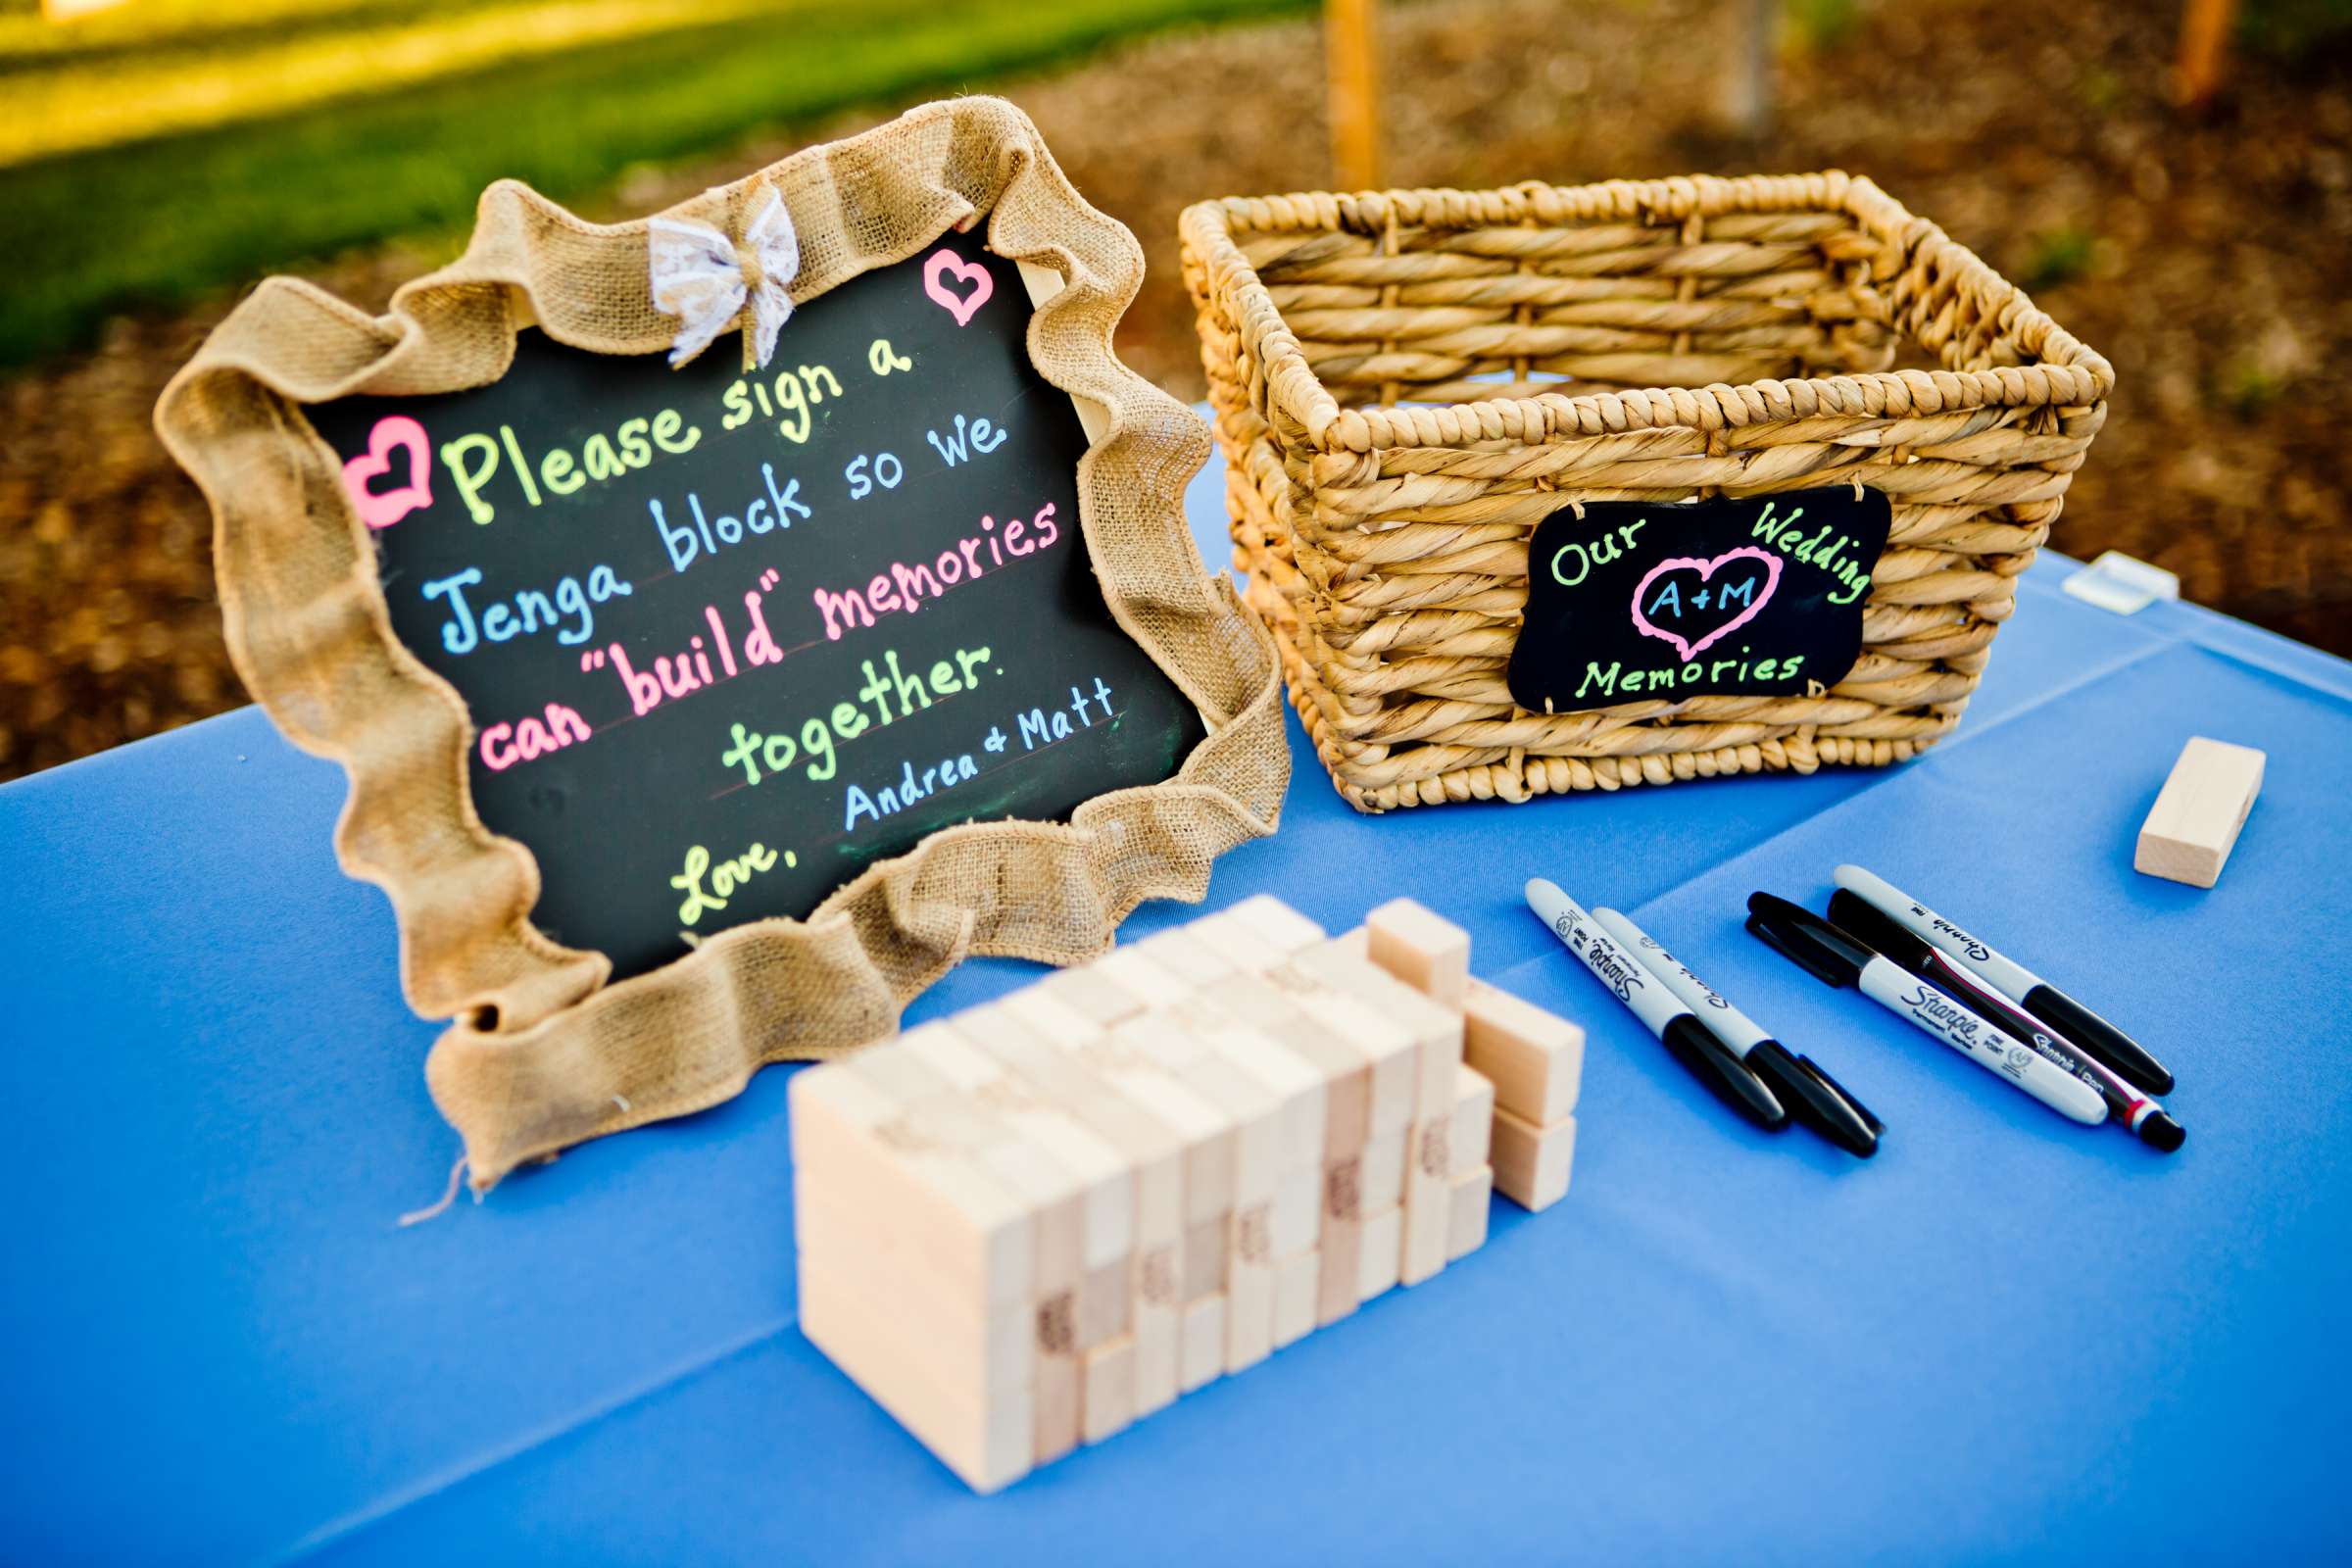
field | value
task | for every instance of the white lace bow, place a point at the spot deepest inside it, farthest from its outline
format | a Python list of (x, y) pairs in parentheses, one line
[(704, 278)]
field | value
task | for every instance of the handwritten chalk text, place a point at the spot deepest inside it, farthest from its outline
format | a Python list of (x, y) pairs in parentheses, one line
[(530, 612)]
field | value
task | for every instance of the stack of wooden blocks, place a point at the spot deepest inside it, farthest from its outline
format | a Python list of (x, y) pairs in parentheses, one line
[(1026, 1226)]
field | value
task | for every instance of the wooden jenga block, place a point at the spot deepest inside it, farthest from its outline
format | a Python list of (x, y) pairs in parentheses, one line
[(1100, 1000), (2198, 813), (1466, 1231), (1185, 956), (1532, 1163), (1201, 1356), (1297, 1282), (1276, 1067), (1057, 1395), (1428, 1197), (986, 1440), (969, 1348), (1341, 1241), (1330, 986), (1206, 1247), (1158, 1332), (1043, 1013), (1245, 1105), (1421, 948), (1346, 1070), (846, 1135), (1357, 988), (1107, 1303), (1383, 1252), (1535, 1060), (1353, 943), (1110, 1390), (1297, 1221), (1384, 1172), (1249, 1292), (1104, 1172), (1473, 1121), (1148, 982), (1258, 933)]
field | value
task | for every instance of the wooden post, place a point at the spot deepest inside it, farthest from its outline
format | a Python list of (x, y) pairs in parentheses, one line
[(2205, 26), (1748, 86), (1347, 48)]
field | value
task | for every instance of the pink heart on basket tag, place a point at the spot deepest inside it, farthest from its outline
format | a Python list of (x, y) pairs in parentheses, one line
[(381, 509), (945, 264), (1707, 597)]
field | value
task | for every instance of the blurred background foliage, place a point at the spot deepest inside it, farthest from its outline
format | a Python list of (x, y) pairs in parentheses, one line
[(157, 157)]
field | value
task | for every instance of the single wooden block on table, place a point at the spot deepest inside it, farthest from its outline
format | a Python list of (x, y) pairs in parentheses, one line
[(2198, 813), (1421, 948), (1534, 1058), (1532, 1163), (1466, 1231)]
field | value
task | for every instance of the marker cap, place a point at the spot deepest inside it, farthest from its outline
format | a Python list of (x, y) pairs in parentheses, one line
[(1725, 1075), (1816, 1098), (1806, 940)]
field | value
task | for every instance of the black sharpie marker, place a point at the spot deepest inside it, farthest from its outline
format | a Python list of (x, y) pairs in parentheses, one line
[(1836, 959), (2138, 1113), (1712, 1062), (2100, 1040), (1812, 1095)]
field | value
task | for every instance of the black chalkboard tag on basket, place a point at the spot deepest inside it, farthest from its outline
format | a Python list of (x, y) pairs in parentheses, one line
[(729, 637), (1632, 602)]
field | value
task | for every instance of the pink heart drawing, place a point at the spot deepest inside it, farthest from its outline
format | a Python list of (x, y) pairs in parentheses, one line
[(381, 509), (1756, 598), (945, 264)]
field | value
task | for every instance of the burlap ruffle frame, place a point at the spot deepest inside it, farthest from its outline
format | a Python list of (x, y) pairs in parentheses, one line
[(543, 1052)]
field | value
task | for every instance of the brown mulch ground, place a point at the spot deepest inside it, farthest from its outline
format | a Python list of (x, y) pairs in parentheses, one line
[(2206, 256)]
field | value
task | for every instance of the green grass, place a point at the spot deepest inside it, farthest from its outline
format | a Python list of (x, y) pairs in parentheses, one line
[(158, 222)]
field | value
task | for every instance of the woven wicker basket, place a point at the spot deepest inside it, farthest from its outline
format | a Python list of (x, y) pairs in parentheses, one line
[(1407, 382)]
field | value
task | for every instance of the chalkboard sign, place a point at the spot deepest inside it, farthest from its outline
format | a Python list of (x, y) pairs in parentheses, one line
[(1632, 602), (727, 638), (696, 715)]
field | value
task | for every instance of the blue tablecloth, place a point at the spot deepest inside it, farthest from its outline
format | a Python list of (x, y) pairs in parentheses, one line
[(2006, 1336)]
